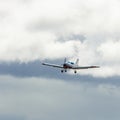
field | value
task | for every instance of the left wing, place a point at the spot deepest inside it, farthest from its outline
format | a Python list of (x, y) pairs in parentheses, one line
[(52, 65), (86, 67)]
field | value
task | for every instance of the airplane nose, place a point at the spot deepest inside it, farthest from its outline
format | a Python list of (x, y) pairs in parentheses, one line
[(64, 65)]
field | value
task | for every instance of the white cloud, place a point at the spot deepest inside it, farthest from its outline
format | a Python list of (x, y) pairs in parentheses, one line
[(110, 51), (30, 30)]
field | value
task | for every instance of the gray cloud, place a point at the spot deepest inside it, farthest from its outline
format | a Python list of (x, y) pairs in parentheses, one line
[(11, 117), (79, 37), (38, 98)]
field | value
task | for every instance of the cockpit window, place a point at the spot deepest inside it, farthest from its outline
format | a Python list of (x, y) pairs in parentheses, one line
[(72, 63)]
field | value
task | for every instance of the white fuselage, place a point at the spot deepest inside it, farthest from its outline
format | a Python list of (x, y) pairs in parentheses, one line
[(69, 65)]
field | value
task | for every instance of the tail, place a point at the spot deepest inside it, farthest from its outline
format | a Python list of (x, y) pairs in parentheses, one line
[(77, 61), (65, 60)]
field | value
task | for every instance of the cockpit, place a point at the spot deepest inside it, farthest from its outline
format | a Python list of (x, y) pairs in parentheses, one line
[(71, 63)]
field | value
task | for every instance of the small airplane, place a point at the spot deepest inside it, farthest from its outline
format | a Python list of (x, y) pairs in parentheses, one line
[(70, 65)]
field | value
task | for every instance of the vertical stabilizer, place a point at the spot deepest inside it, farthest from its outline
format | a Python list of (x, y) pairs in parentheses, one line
[(77, 61), (65, 60)]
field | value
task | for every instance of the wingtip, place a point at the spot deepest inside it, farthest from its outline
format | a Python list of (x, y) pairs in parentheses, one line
[(43, 63), (95, 66)]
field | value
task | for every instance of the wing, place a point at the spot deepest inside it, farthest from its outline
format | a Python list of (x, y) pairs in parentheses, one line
[(85, 67), (52, 65)]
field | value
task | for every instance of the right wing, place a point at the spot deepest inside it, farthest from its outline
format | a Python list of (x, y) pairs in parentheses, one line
[(52, 65), (86, 67)]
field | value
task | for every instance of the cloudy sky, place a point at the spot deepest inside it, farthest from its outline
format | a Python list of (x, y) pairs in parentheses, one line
[(33, 31)]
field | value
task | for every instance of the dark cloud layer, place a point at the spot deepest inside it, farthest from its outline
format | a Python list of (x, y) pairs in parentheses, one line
[(11, 117), (35, 69)]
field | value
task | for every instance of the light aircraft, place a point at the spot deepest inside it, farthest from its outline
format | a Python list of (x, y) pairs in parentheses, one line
[(69, 65)]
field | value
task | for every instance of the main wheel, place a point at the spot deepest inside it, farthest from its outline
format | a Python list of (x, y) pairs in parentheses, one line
[(65, 70), (61, 71), (75, 71)]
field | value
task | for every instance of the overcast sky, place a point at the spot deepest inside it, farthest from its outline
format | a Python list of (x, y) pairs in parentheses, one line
[(33, 31)]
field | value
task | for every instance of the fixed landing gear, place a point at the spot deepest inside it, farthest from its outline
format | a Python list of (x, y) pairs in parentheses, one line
[(66, 71), (63, 71), (75, 71)]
